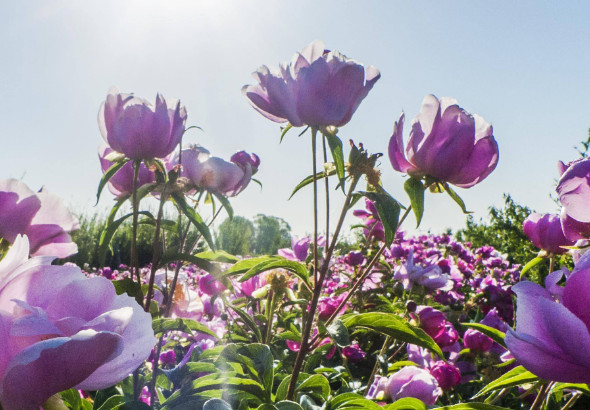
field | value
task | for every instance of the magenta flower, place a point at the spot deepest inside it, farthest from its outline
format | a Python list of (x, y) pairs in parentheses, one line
[(41, 216), (432, 321), (318, 88), (573, 189), (216, 174), (121, 183), (551, 338), (60, 330), (139, 130), (477, 341), (545, 232), (408, 382), (447, 375), (353, 353), (446, 143)]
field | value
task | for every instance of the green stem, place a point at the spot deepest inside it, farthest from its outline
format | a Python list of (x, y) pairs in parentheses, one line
[(362, 277), (270, 307), (308, 318), (156, 251), (327, 189), (314, 132), (134, 258), (387, 342)]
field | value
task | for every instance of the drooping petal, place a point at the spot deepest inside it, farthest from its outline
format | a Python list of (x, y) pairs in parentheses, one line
[(396, 148), (573, 189), (53, 365)]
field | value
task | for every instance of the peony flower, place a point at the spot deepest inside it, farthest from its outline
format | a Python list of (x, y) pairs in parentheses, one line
[(446, 143), (447, 375), (41, 216), (318, 88), (353, 353), (477, 341), (216, 174), (430, 277), (139, 130), (545, 232), (60, 330), (121, 183), (551, 338), (408, 382)]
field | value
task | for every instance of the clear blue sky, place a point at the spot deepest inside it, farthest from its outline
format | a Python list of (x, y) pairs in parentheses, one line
[(524, 66)]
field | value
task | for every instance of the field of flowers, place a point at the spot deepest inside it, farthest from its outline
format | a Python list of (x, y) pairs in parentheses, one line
[(399, 322)]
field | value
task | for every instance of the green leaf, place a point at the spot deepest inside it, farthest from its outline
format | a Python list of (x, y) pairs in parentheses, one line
[(102, 396), (515, 377), (111, 402), (109, 231), (530, 264), (472, 406), (388, 209), (457, 199), (584, 388), (415, 190), (173, 256), (216, 404), (297, 268), (495, 334), (391, 325), (247, 264), (128, 286), (226, 204), (285, 131), (184, 325), (195, 218), (288, 405), (217, 256), (281, 393), (407, 403), (308, 180), (339, 333), (352, 401), (108, 175), (248, 321), (335, 145), (317, 384), (257, 360)]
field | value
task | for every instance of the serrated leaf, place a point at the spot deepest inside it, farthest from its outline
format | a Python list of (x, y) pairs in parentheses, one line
[(391, 325), (335, 145), (184, 325), (389, 210), (195, 218), (109, 173), (496, 335), (457, 199), (515, 377), (530, 264), (415, 190)]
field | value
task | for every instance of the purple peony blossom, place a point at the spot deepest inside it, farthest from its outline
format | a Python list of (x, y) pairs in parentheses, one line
[(545, 232), (446, 143), (551, 338), (121, 183), (430, 277), (353, 353), (408, 382), (60, 330), (41, 216), (214, 173), (477, 341), (447, 375), (135, 128), (318, 88)]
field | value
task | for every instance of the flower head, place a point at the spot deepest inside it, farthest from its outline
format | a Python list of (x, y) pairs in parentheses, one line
[(41, 216), (551, 338), (60, 330), (408, 382), (545, 232), (121, 183), (138, 129), (318, 88), (446, 143)]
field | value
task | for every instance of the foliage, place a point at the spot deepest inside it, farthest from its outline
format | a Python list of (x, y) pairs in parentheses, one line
[(235, 235)]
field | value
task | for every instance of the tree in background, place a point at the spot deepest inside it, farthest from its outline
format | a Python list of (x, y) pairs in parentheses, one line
[(236, 236), (272, 234)]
